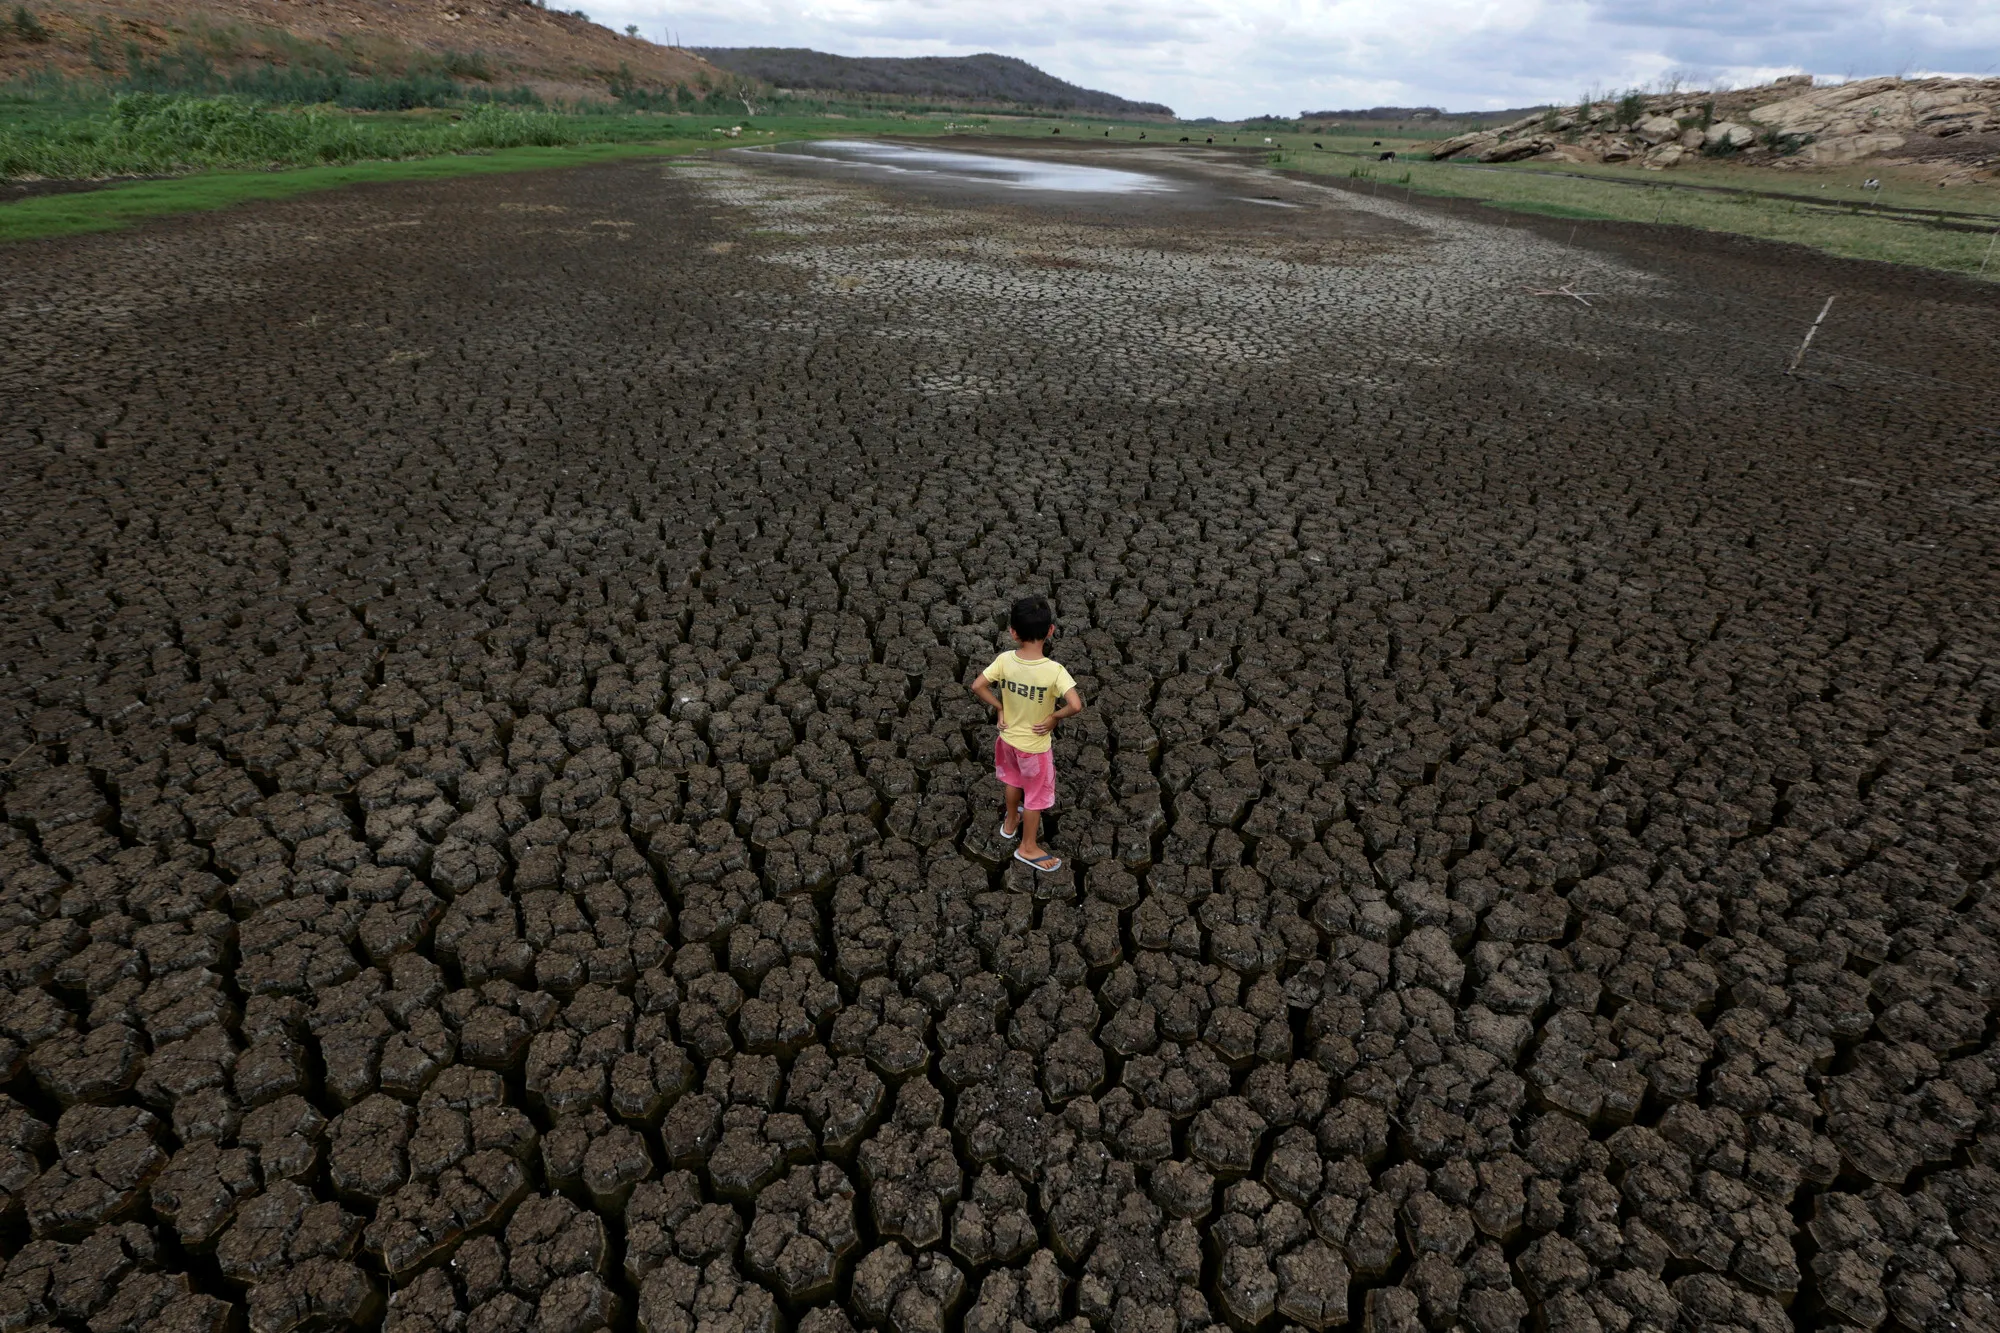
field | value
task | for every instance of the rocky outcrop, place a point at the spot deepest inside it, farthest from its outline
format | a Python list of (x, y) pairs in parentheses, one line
[(1786, 122)]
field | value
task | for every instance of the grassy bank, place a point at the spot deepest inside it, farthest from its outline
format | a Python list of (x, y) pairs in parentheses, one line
[(122, 205), (146, 134), (1763, 214), (221, 150)]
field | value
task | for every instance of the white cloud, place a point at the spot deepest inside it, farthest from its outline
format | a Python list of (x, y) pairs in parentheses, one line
[(1242, 57)]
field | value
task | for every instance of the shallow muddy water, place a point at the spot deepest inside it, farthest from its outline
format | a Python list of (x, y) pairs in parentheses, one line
[(978, 168)]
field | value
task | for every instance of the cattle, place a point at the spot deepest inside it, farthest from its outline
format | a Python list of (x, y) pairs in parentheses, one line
[(1389, 156)]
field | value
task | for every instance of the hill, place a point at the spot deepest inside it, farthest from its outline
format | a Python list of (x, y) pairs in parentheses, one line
[(980, 79), (503, 42)]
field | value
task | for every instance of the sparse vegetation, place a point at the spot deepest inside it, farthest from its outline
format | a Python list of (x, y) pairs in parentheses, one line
[(320, 77), (27, 27), (100, 45)]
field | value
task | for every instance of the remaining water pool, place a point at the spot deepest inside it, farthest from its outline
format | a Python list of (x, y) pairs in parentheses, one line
[(1008, 172)]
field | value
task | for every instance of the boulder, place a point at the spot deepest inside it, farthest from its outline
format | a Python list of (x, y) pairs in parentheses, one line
[(1958, 118), (1513, 150), (1656, 129), (1666, 155), (1728, 134), (1847, 148), (1458, 144)]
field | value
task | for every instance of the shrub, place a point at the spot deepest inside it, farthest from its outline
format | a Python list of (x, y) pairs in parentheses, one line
[(28, 26), (1632, 108), (100, 37), (1784, 145), (153, 133), (465, 65)]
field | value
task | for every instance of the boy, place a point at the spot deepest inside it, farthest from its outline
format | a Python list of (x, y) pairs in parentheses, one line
[(1031, 684)]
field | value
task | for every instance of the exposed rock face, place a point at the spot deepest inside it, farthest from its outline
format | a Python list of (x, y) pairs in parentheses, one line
[(1781, 123)]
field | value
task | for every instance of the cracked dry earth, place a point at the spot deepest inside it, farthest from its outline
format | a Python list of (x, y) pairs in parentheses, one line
[(497, 839)]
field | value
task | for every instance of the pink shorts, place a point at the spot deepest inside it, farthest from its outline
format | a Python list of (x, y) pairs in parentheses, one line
[(1034, 774)]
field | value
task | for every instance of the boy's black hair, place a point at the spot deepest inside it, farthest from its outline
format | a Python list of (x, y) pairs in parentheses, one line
[(1032, 619)]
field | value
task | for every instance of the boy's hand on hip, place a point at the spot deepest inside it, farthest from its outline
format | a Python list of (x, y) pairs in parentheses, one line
[(1044, 727)]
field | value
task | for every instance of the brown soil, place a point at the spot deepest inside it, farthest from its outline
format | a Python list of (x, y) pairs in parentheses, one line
[(496, 835), (552, 50)]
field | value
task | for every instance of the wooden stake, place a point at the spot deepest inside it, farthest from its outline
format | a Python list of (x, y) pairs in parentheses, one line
[(1801, 355), (1989, 251)]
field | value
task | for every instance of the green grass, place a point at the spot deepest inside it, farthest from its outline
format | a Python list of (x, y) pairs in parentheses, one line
[(1561, 211), (122, 205), (147, 134), (1838, 187), (1852, 235)]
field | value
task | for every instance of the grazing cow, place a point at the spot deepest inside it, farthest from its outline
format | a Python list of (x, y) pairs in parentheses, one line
[(1316, 144), (1142, 134), (1871, 184), (1377, 143), (1055, 131), (1389, 156), (1184, 138), (1211, 138)]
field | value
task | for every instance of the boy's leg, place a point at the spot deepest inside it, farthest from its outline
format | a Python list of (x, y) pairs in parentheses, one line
[(1031, 828), (1038, 796), (1012, 819)]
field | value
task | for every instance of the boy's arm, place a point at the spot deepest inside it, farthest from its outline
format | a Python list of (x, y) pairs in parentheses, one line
[(983, 688), (1072, 704)]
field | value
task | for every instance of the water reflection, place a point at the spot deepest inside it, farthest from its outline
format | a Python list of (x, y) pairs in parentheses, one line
[(1008, 172)]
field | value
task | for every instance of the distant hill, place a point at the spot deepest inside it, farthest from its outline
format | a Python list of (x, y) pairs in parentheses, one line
[(983, 79), (1376, 113)]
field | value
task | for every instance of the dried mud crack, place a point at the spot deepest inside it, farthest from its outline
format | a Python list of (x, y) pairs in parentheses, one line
[(496, 838)]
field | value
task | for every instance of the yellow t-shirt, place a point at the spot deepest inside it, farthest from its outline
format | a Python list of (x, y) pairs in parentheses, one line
[(1029, 691)]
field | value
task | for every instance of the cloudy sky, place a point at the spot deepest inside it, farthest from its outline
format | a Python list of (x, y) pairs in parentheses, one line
[(1243, 57)]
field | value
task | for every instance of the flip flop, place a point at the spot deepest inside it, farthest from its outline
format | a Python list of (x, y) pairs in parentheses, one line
[(1005, 836), (1048, 864)]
